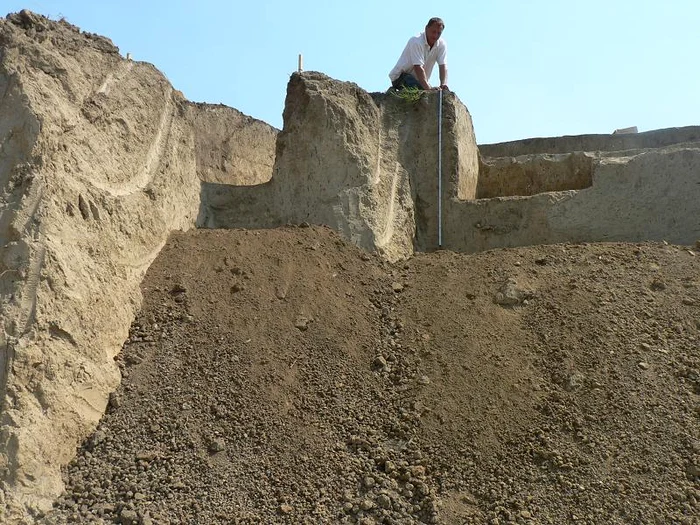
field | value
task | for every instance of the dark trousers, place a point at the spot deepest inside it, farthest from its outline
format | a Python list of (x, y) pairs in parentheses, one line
[(406, 80)]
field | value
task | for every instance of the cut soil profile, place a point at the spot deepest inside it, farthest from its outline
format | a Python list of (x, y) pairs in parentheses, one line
[(286, 376)]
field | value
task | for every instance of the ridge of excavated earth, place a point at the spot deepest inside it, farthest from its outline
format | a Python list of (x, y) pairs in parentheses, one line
[(286, 376)]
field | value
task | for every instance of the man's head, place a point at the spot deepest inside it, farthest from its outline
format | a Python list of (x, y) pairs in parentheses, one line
[(433, 30)]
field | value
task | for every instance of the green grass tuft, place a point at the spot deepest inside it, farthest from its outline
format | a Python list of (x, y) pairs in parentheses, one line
[(410, 95)]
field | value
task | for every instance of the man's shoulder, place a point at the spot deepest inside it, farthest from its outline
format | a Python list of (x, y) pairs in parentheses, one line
[(417, 39)]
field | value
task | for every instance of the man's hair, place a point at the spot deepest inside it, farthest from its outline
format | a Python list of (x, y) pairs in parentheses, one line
[(436, 20)]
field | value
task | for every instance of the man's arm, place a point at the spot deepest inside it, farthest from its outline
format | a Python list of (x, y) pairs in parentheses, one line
[(419, 73), (443, 76)]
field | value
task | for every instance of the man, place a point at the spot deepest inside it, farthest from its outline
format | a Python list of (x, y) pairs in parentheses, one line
[(418, 59)]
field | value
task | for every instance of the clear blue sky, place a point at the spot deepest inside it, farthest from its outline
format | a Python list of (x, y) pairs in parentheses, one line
[(524, 69)]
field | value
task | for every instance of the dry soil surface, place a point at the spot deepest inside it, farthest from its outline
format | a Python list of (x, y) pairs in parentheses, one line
[(285, 376)]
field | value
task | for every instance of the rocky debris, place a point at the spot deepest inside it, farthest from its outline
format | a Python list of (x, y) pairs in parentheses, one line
[(433, 405), (302, 323), (217, 445), (513, 294)]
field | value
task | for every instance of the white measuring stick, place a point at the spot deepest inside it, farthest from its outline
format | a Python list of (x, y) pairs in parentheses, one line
[(440, 169)]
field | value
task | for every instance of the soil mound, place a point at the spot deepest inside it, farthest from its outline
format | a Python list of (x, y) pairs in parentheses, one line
[(285, 376)]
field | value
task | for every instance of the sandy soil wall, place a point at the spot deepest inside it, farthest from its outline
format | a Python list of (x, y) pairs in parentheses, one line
[(366, 165), (230, 147), (659, 138), (532, 174), (97, 170), (100, 160), (653, 195)]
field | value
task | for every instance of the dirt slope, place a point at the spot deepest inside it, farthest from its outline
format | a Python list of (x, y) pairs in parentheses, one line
[(284, 376)]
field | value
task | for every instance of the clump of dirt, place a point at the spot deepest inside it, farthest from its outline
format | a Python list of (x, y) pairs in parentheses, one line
[(285, 376)]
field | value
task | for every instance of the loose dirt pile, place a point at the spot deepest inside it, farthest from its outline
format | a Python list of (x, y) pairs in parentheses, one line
[(285, 376)]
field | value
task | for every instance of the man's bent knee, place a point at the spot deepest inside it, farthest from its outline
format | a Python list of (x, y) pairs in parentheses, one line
[(406, 80)]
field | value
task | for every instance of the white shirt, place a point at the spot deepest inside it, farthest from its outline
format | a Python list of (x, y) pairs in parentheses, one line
[(418, 53)]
